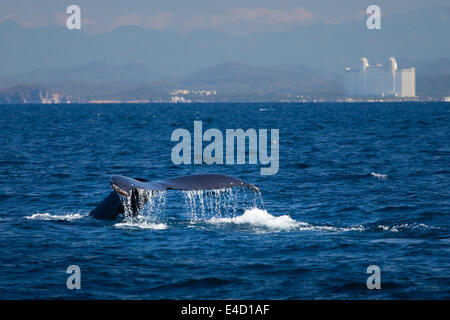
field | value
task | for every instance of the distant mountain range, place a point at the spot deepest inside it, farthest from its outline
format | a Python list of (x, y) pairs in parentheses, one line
[(90, 73), (413, 35), (132, 63), (238, 78), (228, 81)]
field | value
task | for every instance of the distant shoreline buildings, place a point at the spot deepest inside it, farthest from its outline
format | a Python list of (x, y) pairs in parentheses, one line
[(380, 81)]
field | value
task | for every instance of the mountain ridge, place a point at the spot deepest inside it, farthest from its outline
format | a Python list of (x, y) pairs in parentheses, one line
[(324, 46)]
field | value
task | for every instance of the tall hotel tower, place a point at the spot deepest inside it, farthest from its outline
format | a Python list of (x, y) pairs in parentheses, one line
[(380, 81)]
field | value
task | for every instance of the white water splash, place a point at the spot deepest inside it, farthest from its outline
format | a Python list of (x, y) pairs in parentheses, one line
[(149, 203), (256, 217), (260, 218), (48, 216), (379, 175), (405, 226), (141, 225)]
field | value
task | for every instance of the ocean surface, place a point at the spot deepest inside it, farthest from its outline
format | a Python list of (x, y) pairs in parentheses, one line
[(358, 184)]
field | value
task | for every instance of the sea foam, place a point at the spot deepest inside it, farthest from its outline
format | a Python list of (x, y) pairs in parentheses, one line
[(379, 175), (406, 226), (48, 216), (141, 225), (261, 218)]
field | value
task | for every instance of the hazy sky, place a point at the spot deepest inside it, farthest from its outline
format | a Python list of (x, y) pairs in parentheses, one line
[(230, 16)]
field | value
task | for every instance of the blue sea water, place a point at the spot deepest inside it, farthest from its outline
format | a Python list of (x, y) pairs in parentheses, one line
[(359, 184)]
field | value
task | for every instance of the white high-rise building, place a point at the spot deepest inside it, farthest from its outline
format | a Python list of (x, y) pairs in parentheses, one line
[(380, 81)]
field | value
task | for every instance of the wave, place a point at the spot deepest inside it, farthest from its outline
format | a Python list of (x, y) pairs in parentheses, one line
[(261, 218), (379, 175), (48, 216), (141, 225)]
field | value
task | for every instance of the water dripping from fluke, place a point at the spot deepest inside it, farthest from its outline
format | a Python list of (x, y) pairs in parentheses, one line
[(203, 191), (201, 205), (143, 209), (143, 202), (146, 209)]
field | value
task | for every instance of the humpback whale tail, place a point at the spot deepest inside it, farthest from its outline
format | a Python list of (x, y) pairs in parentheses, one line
[(111, 206)]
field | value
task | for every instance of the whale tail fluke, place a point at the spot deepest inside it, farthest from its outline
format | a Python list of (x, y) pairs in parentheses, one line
[(111, 206)]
